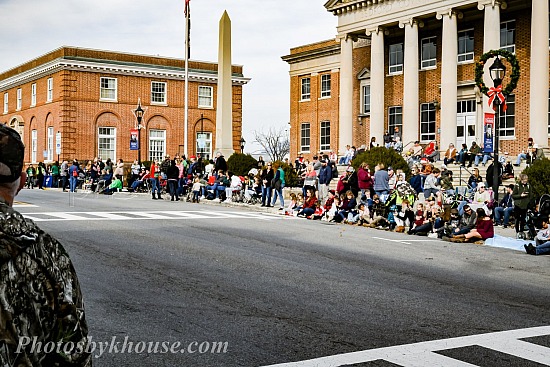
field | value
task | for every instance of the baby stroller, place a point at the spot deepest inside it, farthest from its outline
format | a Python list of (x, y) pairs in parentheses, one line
[(534, 218)]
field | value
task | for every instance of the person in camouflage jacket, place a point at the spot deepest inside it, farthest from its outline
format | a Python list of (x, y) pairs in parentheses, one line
[(40, 297)]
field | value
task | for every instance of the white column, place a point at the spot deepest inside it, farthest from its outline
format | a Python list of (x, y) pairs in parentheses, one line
[(411, 102), (377, 73), (538, 92), (491, 41), (346, 94), (449, 79)]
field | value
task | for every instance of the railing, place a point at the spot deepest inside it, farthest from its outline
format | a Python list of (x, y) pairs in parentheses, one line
[(460, 180)]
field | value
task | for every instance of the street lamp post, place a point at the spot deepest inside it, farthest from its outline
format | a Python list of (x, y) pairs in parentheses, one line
[(138, 112), (497, 72), (243, 142)]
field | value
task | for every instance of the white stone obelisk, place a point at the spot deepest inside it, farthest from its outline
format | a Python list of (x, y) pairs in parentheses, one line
[(224, 109)]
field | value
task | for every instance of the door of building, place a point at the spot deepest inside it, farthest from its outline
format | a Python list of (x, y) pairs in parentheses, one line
[(466, 123)]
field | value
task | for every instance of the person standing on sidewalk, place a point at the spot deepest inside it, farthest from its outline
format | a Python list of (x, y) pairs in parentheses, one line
[(278, 184), (522, 195), (325, 176), (41, 297), (267, 176)]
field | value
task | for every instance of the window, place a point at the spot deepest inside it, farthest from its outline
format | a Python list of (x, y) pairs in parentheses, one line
[(507, 120), (395, 115), (508, 36), (107, 143), (157, 145), (5, 103), (204, 144), (306, 89), (19, 98), (325, 135), (108, 89), (429, 49), (466, 45), (325, 85), (304, 137), (34, 145), (50, 144), (366, 99), (49, 96), (396, 58), (158, 92), (427, 122), (33, 94), (466, 106), (205, 97)]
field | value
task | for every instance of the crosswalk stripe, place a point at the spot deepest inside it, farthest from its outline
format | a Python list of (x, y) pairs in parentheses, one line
[(152, 215), (421, 354)]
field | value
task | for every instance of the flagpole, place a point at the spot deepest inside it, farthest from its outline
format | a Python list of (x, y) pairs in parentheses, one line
[(186, 113)]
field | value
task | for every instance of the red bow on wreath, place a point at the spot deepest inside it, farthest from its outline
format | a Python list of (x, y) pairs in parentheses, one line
[(497, 93)]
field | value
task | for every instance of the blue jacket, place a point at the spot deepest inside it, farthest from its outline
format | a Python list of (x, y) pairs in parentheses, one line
[(417, 184), (381, 179), (325, 175)]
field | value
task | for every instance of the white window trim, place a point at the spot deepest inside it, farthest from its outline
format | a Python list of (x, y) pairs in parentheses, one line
[(362, 96), (427, 122), (114, 136), (309, 137), (322, 147), (302, 99), (429, 67), (515, 34), (163, 140), (33, 94), (19, 99), (34, 145), (473, 52), (402, 65), (211, 98), (6, 105), (329, 90), (49, 143), (396, 106), (49, 90), (115, 99), (204, 153), (165, 94)]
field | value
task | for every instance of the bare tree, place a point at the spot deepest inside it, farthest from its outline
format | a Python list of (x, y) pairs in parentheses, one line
[(275, 142)]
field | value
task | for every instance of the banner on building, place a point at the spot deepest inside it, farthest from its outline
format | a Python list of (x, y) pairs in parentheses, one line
[(488, 132), (58, 143), (134, 143)]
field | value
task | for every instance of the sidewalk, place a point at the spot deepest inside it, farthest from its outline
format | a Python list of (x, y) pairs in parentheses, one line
[(505, 232)]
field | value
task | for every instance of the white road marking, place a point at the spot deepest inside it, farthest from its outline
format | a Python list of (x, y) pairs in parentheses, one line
[(152, 215), (422, 354), (387, 239)]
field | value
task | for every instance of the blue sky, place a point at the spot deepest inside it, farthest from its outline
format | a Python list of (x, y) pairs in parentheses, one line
[(262, 31)]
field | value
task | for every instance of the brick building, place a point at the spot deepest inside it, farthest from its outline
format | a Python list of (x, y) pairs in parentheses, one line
[(85, 99), (410, 63)]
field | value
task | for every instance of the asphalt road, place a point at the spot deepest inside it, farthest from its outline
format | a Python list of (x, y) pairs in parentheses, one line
[(274, 289)]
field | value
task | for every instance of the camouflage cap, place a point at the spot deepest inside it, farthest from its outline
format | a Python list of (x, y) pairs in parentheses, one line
[(12, 153)]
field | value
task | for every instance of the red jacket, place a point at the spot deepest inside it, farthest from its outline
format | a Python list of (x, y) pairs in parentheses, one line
[(364, 178), (310, 203), (485, 228)]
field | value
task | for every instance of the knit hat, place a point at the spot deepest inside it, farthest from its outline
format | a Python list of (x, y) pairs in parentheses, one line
[(12, 154)]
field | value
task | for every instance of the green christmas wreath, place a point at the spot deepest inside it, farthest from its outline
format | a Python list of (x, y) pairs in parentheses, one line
[(514, 76)]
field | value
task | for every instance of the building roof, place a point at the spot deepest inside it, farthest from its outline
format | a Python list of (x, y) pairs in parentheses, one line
[(125, 63)]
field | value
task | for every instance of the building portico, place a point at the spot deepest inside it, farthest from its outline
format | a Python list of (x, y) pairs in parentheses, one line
[(421, 57)]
